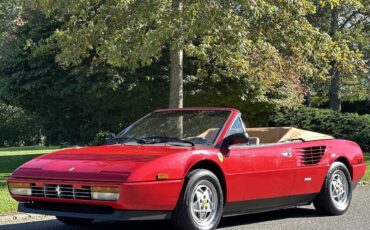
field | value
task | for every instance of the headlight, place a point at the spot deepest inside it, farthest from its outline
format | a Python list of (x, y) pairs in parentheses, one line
[(104, 193), (20, 189)]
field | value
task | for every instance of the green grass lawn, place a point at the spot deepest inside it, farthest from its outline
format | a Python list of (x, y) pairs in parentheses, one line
[(10, 159), (367, 174)]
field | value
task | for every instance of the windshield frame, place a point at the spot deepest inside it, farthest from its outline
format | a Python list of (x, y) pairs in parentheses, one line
[(220, 133)]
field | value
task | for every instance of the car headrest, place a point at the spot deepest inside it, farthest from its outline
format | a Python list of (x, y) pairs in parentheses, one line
[(254, 141)]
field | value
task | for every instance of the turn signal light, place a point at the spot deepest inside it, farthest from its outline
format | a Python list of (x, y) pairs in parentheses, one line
[(162, 176), (105, 189), (18, 185), (20, 189)]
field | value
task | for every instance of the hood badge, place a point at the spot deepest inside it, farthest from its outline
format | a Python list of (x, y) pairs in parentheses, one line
[(71, 169)]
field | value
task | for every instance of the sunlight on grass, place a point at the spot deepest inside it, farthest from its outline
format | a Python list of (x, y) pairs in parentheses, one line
[(367, 173), (8, 205), (26, 150)]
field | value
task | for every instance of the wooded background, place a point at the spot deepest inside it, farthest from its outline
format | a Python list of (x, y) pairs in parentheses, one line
[(71, 70)]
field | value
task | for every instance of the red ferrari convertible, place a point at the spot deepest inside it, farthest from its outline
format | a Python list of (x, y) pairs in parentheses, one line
[(194, 166)]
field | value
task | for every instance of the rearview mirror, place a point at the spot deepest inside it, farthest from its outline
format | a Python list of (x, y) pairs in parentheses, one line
[(236, 138)]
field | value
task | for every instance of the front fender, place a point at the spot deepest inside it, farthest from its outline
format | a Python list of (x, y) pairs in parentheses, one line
[(143, 190), (175, 166)]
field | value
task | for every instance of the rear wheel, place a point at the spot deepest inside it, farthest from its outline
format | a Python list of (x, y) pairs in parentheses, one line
[(74, 221), (336, 193), (201, 203)]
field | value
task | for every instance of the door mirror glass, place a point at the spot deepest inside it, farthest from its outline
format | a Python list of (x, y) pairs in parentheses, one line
[(236, 138)]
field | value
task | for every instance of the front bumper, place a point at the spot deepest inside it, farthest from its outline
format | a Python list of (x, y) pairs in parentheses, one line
[(91, 212), (153, 195)]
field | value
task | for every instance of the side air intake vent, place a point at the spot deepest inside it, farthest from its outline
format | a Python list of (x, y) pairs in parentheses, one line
[(311, 155)]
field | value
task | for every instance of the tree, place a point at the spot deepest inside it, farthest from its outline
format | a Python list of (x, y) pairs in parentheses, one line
[(72, 104), (268, 41), (113, 59), (347, 24), (176, 56), (18, 128)]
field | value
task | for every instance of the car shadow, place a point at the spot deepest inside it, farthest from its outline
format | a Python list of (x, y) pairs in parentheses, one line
[(250, 219), (228, 222)]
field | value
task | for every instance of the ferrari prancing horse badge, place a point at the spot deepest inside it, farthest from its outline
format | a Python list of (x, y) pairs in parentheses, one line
[(220, 157)]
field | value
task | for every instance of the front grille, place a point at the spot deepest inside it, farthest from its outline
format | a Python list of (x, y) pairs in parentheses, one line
[(61, 191), (311, 155)]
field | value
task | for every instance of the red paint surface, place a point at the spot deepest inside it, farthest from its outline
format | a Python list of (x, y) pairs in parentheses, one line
[(249, 172)]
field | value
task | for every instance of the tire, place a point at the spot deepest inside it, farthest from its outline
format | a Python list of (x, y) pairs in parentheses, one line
[(337, 181), (74, 221), (202, 192)]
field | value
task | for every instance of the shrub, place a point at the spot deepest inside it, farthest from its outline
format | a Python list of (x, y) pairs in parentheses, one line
[(17, 128), (100, 138), (360, 107), (349, 126)]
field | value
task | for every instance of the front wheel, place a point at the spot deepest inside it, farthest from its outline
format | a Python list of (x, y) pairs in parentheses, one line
[(201, 203), (336, 193), (74, 221)]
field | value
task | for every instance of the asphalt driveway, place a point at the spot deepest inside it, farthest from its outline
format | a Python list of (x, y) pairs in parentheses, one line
[(358, 217)]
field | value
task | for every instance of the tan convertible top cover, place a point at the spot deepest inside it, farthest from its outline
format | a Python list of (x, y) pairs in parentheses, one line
[(282, 134)]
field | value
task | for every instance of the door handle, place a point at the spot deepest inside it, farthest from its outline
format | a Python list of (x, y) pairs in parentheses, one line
[(287, 154)]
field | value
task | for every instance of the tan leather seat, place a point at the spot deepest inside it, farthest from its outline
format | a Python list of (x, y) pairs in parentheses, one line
[(283, 134), (209, 134)]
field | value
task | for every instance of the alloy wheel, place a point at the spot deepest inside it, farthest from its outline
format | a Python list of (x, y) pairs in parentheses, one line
[(204, 203)]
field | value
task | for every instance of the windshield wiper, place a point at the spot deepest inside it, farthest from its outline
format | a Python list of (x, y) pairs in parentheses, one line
[(121, 140), (159, 139)]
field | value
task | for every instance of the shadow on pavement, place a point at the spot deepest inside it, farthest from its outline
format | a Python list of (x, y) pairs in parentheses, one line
[(268, 216), (165, 225)]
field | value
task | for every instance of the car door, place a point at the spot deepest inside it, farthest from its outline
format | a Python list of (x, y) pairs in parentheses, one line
[(259, 172)]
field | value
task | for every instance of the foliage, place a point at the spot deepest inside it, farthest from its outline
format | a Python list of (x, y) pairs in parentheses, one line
[(360, 107), (17, 128), (76, 103), (9, 11), (100, 138), (86, 67), (349, 126), (270, 42), (348, 24), (367, 173)]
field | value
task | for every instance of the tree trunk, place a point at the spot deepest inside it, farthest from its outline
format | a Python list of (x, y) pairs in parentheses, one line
[(307, 99), (176, 79), (176, 73), (176, 87), (334, 98)]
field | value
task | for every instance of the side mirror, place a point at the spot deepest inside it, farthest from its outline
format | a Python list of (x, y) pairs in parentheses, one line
[(236, 138)]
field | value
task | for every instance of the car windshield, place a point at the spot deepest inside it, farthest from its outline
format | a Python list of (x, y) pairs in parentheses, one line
[(186, 126)]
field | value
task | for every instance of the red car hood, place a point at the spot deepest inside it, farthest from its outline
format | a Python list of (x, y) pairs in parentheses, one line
[(102, 163)]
